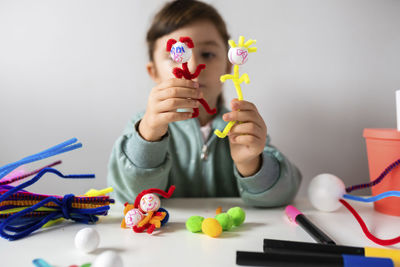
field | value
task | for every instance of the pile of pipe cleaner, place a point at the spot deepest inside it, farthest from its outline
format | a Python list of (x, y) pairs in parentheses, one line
[(23, 212)]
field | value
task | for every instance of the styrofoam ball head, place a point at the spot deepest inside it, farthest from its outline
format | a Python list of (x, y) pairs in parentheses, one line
[(87, 239), (108, 258), (133, 217), (180, 52), (325, 190), (238, 55), (150, 202)]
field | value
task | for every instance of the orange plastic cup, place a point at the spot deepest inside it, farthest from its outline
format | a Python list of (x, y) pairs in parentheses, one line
[(383, 148)]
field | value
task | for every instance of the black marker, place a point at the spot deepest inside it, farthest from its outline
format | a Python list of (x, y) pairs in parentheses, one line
[(304, 248), (296, 260)]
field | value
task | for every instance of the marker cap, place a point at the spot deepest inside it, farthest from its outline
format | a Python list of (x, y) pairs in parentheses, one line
[(352, 260), (292, 213), (394, 254)]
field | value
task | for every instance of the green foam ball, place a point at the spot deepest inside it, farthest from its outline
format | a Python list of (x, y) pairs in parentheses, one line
[(225, 220), (238, 215), (193, 224)]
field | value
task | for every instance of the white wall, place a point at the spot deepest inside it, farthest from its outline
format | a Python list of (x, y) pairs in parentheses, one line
[(325, 70)]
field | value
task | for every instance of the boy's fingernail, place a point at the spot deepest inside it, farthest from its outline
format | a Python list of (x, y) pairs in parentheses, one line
[(196, 85), (226, 117)]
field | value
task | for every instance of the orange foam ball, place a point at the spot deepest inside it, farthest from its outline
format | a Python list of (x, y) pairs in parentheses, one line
[(211, 227)]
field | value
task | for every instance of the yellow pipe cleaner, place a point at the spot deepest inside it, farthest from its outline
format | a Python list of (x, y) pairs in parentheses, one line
[(146, 219), (156, 220), (236, 79)]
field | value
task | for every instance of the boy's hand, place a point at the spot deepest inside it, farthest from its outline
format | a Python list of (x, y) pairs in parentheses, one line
[(247, 137), (164, 100)]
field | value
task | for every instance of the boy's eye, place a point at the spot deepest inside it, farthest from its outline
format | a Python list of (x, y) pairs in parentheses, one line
[(207, 55)]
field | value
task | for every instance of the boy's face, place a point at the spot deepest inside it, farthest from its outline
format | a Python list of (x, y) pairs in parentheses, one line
[(209, 49)]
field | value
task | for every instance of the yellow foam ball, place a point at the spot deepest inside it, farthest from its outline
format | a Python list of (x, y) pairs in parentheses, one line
[(211, 227)]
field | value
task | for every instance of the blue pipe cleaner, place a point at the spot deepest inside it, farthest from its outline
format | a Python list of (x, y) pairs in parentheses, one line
[(25, 226), (374, 198), (41, 263), (37, 177), (166, 218), (55, 150)]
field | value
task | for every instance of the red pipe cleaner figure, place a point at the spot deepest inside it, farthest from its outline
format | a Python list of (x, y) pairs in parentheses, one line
[(146, 212), (181, 52)]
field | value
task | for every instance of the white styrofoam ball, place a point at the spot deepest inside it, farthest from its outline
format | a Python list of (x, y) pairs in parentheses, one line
[(180, 52), (108, 258), (238, 55), (150, 202), (87, 239), (133, 217), (324, 192)]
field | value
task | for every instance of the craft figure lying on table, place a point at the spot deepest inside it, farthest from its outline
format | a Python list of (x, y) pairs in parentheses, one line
[(327, 193), (23, 212), (181, 52), (146, 212), (237, 55)]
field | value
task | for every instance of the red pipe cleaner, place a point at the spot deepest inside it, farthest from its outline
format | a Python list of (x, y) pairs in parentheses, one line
[(170, 43), (184, 72), (154, 191), (382, 242), (150, 227)]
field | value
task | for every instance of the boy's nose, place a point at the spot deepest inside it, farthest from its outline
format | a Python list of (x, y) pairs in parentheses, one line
[(192, 64)]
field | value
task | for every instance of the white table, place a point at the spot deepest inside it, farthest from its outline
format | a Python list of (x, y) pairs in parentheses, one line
[(173, 245)]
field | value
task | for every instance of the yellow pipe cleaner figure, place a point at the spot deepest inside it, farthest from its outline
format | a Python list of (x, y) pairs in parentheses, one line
[(237, 55)]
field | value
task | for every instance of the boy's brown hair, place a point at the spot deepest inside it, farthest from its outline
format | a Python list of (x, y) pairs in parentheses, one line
[(179, 13)]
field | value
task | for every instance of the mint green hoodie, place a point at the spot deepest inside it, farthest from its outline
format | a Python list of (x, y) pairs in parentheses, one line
[(197, 169)]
